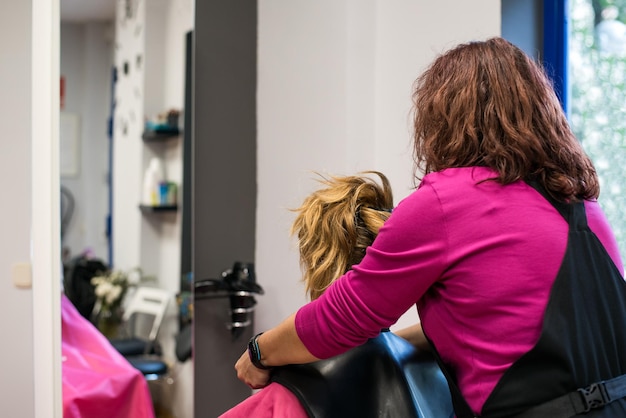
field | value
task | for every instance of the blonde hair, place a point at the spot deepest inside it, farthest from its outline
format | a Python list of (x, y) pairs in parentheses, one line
[(335, 225)]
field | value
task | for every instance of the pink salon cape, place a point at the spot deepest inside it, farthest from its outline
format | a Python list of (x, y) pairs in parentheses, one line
[(97, 381)]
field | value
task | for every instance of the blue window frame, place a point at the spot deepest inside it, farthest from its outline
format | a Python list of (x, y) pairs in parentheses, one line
[(555, 46)]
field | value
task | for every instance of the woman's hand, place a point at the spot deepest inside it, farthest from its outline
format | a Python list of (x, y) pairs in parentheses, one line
[(276, 347), (251, 375)]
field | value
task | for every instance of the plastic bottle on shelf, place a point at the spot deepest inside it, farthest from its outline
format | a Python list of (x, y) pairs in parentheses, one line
[(151, 180)]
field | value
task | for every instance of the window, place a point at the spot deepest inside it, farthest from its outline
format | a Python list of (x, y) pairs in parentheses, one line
[(596, 83)]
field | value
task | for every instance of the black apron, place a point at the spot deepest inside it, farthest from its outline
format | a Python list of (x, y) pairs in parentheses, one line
[(582, 342), (385, 377)]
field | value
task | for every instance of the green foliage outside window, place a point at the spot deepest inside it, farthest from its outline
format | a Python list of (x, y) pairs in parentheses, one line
[(597, 82)]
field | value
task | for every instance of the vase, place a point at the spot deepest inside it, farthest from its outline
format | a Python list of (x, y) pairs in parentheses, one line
[(109, 324)]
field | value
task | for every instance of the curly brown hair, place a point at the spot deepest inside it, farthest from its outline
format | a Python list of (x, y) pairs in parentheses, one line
[(489, 104), (337, 223)]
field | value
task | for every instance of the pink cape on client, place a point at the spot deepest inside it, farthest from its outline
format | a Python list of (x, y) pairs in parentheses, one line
[(97, 380)]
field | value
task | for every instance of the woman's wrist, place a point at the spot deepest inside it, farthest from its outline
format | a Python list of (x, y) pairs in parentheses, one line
[(279, 346)]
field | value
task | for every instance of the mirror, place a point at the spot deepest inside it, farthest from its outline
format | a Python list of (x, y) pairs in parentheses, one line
[(122, 64)]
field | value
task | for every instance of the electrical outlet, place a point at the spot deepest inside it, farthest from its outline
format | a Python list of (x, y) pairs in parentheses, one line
[(21, 274)]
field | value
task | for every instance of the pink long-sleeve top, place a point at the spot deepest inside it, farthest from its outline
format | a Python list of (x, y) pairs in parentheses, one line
[(478, 260)]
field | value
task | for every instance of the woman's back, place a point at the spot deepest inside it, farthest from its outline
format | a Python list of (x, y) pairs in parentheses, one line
[(505, 246)]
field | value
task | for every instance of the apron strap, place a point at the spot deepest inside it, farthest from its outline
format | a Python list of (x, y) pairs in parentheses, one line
[(563, 208), (581, 400)]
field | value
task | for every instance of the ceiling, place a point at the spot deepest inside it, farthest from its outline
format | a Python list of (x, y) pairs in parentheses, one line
[(87, 10)]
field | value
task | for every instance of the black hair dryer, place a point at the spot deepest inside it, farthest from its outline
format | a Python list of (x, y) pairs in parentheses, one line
[(239, 285), (242, 286)]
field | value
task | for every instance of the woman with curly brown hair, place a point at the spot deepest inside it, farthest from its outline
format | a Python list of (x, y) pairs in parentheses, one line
[(502, 247)]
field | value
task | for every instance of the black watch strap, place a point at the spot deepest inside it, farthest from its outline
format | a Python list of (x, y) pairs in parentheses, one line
[(255, 353)]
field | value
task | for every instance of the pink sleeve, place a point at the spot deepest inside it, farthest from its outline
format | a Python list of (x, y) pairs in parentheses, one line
[(404, 261), (600, 226)]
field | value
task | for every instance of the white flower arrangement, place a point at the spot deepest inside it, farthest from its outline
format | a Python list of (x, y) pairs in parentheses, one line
[(111, 287)]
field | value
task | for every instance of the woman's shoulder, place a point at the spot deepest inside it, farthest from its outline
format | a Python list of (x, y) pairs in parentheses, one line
[(459, 176), (433, 187), (459, 193), (455, 184)]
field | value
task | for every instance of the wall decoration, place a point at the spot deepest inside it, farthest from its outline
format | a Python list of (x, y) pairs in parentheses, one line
[(130, 9)]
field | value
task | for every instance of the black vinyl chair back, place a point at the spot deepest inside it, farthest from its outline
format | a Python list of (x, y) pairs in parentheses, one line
[(77, 283)]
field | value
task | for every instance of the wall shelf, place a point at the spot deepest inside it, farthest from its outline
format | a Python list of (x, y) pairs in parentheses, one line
[(160, 135), (158, 208)]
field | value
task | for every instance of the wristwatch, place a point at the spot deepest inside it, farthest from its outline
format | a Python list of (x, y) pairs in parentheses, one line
[(255, 353)]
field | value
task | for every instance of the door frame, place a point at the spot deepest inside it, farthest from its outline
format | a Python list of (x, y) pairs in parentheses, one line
[(45, 213)]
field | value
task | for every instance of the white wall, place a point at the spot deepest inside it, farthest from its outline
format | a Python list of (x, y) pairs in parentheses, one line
[(127, 145), (334, 95), (16, 316), (86, 64), (152, 43), (30, 380)]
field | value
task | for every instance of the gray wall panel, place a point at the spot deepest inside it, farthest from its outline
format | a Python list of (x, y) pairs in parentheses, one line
[(224, 184)]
